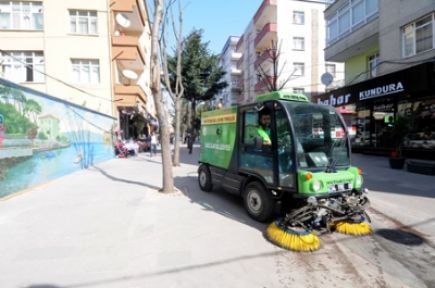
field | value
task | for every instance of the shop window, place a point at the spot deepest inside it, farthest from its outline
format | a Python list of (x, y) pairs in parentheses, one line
[(362, 137), (421, 118)]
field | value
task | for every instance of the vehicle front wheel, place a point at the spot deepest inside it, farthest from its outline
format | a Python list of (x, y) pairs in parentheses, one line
[(258, 202), (204, 178)]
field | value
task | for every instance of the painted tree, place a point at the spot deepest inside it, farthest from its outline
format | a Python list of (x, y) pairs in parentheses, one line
[(31, 107)]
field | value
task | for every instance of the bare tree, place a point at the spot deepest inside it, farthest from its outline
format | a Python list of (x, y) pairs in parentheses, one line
[(179, 88), (271, 79), (168, 181)]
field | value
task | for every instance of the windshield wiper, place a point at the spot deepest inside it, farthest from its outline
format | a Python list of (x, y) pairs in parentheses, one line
[(330, 168)]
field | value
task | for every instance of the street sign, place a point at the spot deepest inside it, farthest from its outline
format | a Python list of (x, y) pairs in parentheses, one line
[(327, 78)]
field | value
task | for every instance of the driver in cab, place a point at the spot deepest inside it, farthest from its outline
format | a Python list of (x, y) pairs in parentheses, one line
[(263, 130)]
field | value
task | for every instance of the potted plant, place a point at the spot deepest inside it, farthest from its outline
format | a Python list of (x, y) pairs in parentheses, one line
[(398, 134)]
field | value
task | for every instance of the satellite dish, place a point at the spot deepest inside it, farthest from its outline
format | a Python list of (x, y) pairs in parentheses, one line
[(130, 74), (123, 20), (327, 78)]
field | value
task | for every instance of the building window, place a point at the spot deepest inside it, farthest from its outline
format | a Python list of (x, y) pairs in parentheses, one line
[(419, 36), (373, 63), (298, 17), (299, 90), (21, 15), (83, 22), (22, 66), (299, 69), (330, 68), (86, 71), (352, 14), (298, 43)]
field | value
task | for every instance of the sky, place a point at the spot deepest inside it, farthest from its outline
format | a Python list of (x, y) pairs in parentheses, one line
[(218, 18)]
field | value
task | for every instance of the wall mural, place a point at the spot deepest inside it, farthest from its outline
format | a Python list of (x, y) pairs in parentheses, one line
[(42, 138)]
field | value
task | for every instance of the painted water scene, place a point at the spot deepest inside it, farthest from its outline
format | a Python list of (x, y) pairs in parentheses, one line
[(42, 138)]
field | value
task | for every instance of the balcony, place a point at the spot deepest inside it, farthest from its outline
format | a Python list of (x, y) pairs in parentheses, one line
[(236, 56), (266, 36), (240, 43), (263, 57), (266, 13), (128, 96), (128, 54), (348, 36), (236, 71), (129, 16), (353, 43), (263, 84)]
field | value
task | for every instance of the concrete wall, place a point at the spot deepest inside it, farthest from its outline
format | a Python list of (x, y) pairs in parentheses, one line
[(393, 16)]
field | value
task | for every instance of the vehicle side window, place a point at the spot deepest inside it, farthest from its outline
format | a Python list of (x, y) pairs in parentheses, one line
[(286, 165), (250, 124)]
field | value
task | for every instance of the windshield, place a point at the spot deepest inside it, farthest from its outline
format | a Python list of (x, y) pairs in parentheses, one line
[(320, 136)]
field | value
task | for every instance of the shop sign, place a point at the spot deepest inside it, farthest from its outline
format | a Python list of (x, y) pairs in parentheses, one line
[(381, 91), (335, 101)]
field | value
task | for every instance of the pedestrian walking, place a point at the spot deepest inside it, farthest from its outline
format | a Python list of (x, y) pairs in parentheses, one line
[(190, 141), (154, 142)]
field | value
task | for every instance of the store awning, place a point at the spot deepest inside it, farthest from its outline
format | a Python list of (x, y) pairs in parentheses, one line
[(415, 81)]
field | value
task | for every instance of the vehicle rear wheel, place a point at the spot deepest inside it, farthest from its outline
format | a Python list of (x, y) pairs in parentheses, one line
[(258, 202), (204, 178)]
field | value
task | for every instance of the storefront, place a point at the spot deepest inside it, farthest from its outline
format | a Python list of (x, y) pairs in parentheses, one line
[(133, 124), (371, 107)]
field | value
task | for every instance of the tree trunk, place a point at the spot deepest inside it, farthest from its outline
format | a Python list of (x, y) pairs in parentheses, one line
[(168, 182), (177, 132)]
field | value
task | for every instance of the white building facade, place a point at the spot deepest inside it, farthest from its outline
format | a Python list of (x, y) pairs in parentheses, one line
[(296, 30), (228, 61)]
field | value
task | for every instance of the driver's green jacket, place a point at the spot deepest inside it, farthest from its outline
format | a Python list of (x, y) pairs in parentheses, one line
[(264, 134)]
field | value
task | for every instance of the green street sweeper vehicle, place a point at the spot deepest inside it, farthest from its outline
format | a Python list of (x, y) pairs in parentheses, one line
[(289, 158)]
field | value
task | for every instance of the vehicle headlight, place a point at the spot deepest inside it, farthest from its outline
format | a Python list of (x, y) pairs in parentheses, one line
[(358, 181), (316, 185)]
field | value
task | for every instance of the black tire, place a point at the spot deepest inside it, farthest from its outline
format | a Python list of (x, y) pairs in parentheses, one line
[(204, 178), (258, 202)]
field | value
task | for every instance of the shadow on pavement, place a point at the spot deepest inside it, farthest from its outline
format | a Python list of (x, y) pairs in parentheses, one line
[(163, 272), (111, 177), (218, 201), (400, 236), (191, 159)]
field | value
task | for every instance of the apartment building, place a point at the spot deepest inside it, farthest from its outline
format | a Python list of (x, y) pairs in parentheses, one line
[(91, 53), (296, 30), (228, 61), (388, 48)]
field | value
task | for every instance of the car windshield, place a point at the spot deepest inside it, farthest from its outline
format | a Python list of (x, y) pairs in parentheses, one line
[(320, 136)]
